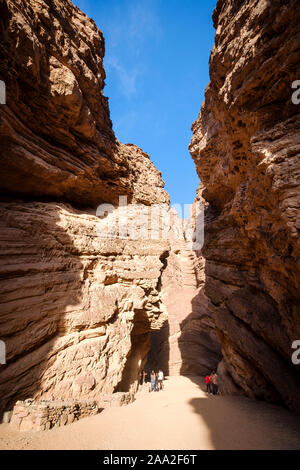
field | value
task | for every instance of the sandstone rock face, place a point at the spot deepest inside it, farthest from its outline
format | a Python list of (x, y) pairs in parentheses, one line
[(56, 121), (187, 343), (246, 149), (77, 309), (71, 301)]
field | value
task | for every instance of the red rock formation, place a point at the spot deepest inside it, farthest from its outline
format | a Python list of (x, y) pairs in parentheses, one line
[(187, 343), (246, 149), (75, 307), (57, 120)]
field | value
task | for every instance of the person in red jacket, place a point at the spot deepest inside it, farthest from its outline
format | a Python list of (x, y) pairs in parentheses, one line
[(208, 386)]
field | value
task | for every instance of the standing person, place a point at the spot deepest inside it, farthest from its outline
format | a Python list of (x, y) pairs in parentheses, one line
[(215, 383), (211, 383), (152, 381), (160, 379), (156, 382), (208, 388)]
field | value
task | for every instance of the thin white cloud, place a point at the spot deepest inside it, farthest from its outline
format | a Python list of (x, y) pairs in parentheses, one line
[(127, 77), (125, 122), (132, 29), (143, 24)]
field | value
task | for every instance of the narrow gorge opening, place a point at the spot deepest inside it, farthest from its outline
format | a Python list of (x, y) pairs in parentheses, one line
[(103, 275), (140, 340), (187, 334)]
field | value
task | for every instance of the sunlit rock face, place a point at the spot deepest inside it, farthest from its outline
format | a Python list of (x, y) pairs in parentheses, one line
[(57, 120), (246, 145), (187, 343), (72, 304), (77, 308)]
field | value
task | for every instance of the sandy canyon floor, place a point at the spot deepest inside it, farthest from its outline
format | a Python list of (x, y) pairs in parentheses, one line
[(180, 417)]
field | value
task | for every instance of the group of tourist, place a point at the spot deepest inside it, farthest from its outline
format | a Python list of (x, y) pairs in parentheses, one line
[(212, 384), (156, 380)]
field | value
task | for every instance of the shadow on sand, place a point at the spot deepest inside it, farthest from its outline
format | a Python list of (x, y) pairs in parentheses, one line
[(241, 423)]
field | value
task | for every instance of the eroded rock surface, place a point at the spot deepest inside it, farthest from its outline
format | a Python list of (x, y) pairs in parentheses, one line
[(246, 145), (187, 343), (57, 120), (76, 308)]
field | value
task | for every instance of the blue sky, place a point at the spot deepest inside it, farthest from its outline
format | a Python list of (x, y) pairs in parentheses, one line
[(156, 64)]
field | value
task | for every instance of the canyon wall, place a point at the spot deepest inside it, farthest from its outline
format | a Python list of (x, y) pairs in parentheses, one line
[(246, 145), (77, 309), (187, 343)]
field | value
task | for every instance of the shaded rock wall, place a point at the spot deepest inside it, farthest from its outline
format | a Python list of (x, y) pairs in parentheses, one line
[(246, 149), (75, 307), (187, 343)]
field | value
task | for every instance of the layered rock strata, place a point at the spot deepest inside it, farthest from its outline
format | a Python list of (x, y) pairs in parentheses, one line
[(187, 343), (246, 149), (78, 304)]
